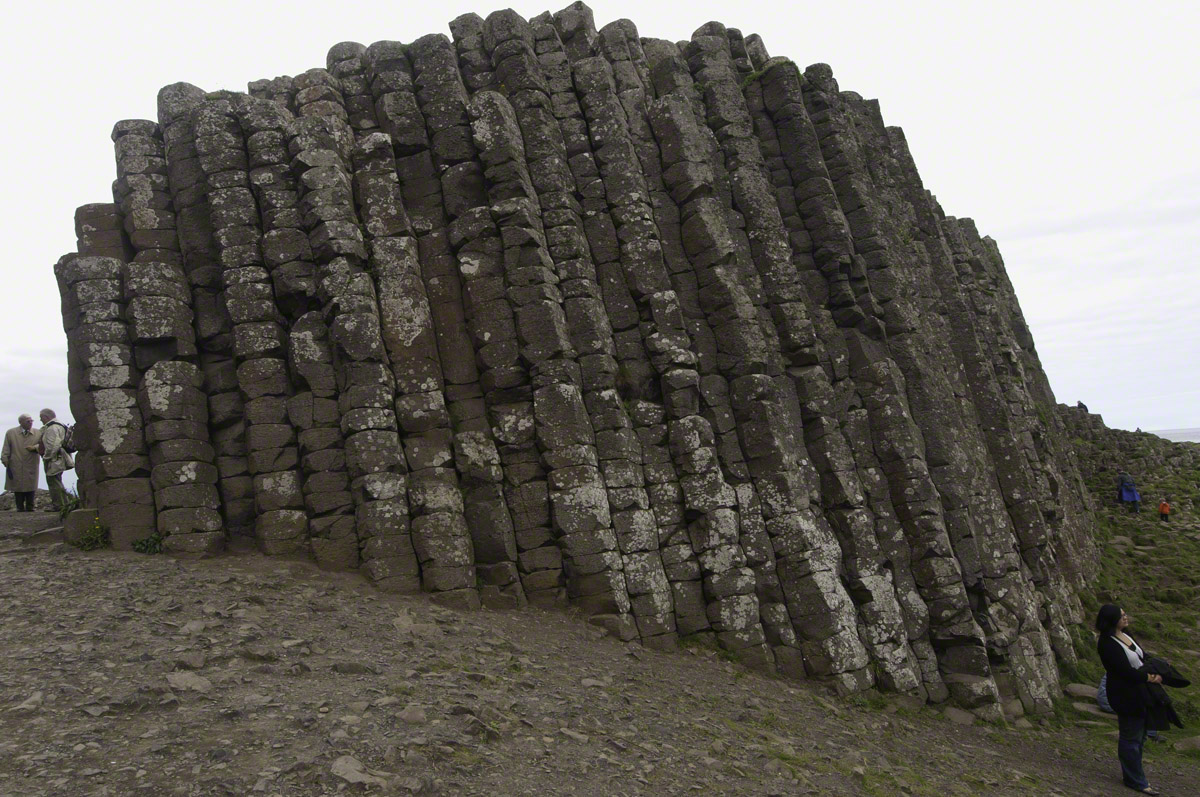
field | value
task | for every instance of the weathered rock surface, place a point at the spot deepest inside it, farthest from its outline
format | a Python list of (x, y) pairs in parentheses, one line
[(545, 314)]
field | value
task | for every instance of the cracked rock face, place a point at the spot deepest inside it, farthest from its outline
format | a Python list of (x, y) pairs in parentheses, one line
[(549, 314)]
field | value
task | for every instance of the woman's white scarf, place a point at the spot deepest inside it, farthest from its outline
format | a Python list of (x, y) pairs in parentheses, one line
[(1134, 654)]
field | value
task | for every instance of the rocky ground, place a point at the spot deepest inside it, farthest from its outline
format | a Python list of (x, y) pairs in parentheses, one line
[(122, 673)]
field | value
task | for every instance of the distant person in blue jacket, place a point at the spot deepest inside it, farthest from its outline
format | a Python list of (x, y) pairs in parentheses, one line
[(1127, 492)]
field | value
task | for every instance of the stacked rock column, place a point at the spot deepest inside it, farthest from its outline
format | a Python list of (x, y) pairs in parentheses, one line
[(784, 136), (1021, 620), (805, 549), (102, 380), (732, 606), (550, 430), (730, 335), (142, 192), (511, 43), (679, 311), (540, 110), (158, 311), (880, 386), (631, 433), (588, 123), (1009, 608), (311, 407), (728, 116), (474, 62), (99, 232), (258, 338), (994, 392), (445, 181), (321, 148), (439, 531), (178, 109), (174, 408), (845, 496), (1067, 499), (857, 132), (439, 179), (503, 382), (314, 411)]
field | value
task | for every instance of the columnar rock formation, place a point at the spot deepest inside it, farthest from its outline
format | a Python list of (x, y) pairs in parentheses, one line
[(547, 314)]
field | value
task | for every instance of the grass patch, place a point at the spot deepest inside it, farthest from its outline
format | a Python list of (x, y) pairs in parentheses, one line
[(70, 503), (870, 699), (149, 545), (93, 537)]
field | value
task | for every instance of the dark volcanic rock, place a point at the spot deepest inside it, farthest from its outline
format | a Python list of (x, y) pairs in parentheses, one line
[(550, 314)]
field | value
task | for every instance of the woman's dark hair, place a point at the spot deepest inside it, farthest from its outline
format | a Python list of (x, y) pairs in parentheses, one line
[(1107, 619)]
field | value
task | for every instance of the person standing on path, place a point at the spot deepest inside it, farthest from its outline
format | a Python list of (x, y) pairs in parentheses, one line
[(54, 459), (1164, 511), (21, 463), (1126, 686)]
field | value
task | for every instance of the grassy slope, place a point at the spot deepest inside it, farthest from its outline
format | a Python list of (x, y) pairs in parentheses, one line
[(1150, 568)]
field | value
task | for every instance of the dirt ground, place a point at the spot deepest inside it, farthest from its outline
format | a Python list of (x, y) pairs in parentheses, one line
[(128, 674)]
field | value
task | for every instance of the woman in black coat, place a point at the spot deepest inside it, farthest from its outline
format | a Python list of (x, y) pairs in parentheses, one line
[(1122, 658)]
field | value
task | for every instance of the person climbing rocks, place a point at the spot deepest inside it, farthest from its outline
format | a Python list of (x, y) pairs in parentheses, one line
[(1127, 492), (1164, 511), (1081, 406)]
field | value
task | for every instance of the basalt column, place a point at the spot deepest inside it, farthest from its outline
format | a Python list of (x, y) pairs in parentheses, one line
[(174, 408), (439, 533), (836, 433), (288, 298), (446, 184), (320, 149), (258, 342), (631, 433), (551, 426), (876, 380), (519, 73), (103, 380), (541, 312), (159, 313), (766, 414), (179, 107), (1014, 615), (546, 124), (99, 232), (680, 309), (656, 326), (711, 60)]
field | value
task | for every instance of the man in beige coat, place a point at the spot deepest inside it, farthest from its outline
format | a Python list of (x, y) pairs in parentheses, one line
[(55, 460), (20, 460)]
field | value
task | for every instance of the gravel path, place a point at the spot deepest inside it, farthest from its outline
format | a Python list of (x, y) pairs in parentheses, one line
[(123, 674)]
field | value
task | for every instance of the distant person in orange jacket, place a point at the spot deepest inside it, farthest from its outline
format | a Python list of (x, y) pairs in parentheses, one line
[(1164, 511)]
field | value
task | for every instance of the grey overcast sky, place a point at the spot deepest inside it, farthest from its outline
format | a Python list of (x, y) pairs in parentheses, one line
[(1067, 130)]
